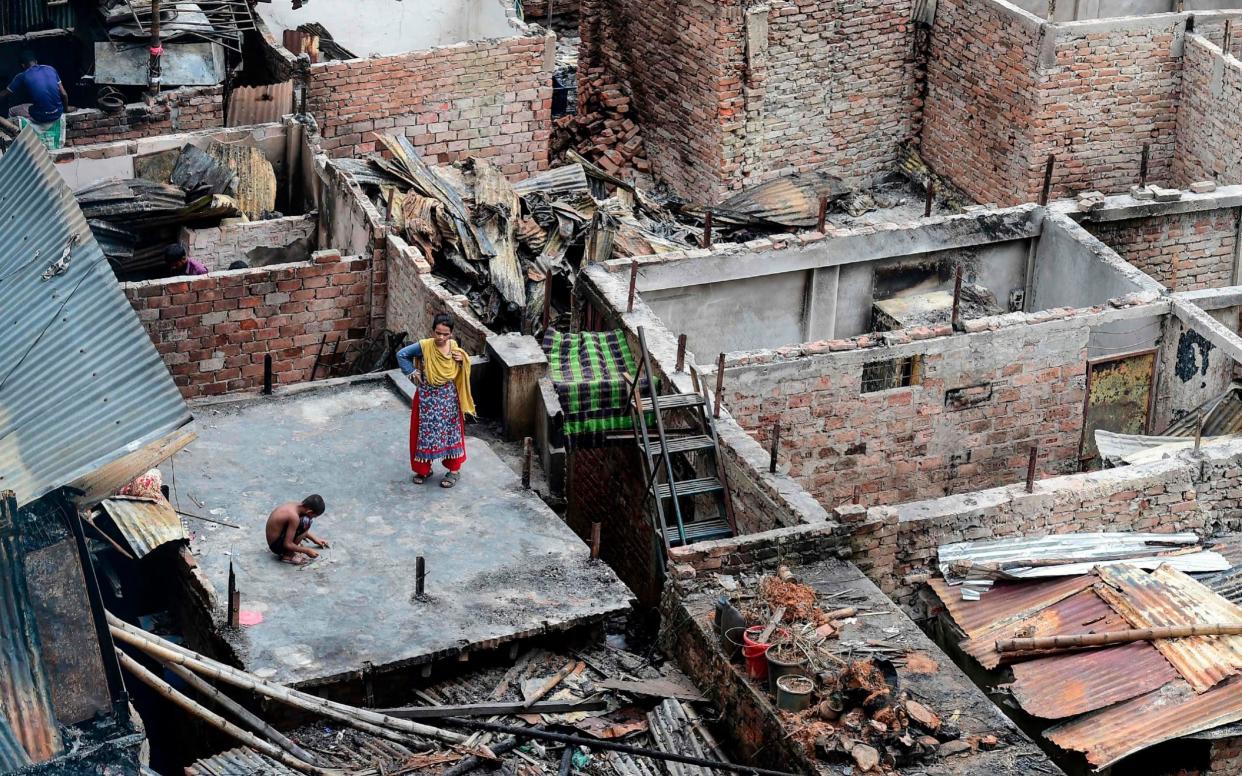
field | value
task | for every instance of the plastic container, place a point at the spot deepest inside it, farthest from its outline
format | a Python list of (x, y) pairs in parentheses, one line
[(778, 668), (756, 652), (793, 692)]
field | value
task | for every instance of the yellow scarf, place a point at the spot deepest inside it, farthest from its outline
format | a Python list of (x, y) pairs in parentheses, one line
[(439, 369)]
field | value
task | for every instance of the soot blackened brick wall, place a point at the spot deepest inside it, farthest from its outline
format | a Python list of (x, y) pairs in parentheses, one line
[(1185, 252), (213, 331), (983, 400), (1006, 91), (415, 297), (181, 110), (1209, 120), (490, 98)]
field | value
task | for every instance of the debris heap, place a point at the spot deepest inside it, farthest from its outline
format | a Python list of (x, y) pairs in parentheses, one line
[(604, 129)]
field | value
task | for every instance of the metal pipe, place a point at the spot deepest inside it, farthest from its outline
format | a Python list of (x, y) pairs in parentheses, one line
[(156, 51), (612, 746), (1078, 640)]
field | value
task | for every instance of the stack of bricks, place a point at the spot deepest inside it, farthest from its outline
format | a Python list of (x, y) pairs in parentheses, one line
[(489, 99), (1183, 251), (181, 110), (214, 330), (1209, 119), (604, 130)]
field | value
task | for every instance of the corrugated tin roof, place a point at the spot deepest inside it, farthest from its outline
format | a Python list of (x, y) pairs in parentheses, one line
[(266, 104), (1082, 612), (1005, 602), (1069, 685), (145, 523), (81, 385), (12, 756), (1168, 597), (25, 696), (1171, 712), (18, 17), (238, 762), (1221, 415)]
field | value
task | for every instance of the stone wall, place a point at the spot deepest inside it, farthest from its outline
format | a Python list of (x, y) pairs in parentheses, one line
[(488, 98), (984, 398), (180, 110), (1182, 251), (1209, 120), (214, 330), (893, 546), (415, 297), (219, 246)]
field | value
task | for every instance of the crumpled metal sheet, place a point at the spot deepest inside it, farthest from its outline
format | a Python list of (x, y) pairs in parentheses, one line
[(146, 524), (1221, 415), (1082, 612), (81, 384), (238, 762), (1168, 597), (1064, 686), (792, 200), (1005, 602), (1173, 711), (182, 64)]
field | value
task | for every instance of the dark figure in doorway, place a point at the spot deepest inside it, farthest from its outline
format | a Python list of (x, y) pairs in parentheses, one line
[(178, 263), (289, 524)]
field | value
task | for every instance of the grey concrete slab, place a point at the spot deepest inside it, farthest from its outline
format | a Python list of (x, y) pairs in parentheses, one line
[(500, 564)]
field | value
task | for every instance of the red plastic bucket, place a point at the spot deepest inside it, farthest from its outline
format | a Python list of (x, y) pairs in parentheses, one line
[(756, 652)]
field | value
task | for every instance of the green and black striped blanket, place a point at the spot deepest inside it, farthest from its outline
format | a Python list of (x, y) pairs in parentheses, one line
[(588, 369)]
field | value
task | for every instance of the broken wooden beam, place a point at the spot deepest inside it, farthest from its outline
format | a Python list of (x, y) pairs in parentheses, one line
[(1082, 640), (491, 709)]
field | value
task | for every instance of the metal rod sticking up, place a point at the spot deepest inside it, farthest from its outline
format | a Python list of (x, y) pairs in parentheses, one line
[(267, 374), (527, 449), (595, 540), (931, 197), (956, 318), (1030, 468), (629, 304), (681, 353), (1048, 169), (719, 385), (776, 447), (822, 221), (420, 576), (1143, 159), (707, 230)]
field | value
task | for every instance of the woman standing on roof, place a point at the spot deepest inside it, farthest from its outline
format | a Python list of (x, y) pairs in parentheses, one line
[(441, 401)]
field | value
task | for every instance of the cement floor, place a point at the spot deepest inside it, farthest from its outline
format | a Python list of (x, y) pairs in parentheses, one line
[(500, 564)]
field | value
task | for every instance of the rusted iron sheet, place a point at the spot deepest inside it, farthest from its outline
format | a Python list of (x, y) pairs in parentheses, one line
[(792, 200), (146, 524), (1005, 602), (1169, 597), (1173, 711), (1053, 555), (82, 384), (1063, 686), (25, 697), (1082, 612), (1221, 415), (266, 104), (12, 756)]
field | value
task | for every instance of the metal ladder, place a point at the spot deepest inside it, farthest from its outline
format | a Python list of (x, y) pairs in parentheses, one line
[(664, 490)]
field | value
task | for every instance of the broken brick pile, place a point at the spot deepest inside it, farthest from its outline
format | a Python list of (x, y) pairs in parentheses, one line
[(604, 129)]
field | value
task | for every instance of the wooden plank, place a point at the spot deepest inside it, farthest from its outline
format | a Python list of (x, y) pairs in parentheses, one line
[(655, 688), (488, 709)]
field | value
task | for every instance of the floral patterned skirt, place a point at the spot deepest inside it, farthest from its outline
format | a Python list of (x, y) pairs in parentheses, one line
[(437, 427)]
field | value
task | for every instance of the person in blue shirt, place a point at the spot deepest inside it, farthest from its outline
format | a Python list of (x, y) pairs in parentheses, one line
[(44, 99)]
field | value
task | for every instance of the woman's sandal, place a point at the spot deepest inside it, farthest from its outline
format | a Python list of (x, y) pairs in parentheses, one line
[(450, 479), (419, 479)]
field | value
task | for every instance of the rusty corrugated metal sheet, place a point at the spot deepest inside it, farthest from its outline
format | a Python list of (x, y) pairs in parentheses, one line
[(1221, 415), (1173, 711), (1169, 597), (791, 200), (12, 756), (1004, 602), (145, 524), (80, 382), (1068, 685), (1035, 556), (238, 762), (25, 695), (266, 104), (18, 17), (1082, 612)]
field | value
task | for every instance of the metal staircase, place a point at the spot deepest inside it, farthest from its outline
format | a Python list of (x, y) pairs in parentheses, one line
[(676, 500)]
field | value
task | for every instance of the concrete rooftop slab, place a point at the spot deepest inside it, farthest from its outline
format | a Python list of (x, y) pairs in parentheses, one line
[(500, 564)]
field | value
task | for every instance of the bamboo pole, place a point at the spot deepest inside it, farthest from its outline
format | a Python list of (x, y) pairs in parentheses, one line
[(139, 672), (1080, 640), (365, 719), (241, 712)]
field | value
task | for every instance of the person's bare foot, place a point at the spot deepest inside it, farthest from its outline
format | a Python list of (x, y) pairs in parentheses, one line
[(294, 560)]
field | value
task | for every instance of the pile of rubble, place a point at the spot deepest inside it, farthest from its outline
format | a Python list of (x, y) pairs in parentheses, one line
[(603, 130)]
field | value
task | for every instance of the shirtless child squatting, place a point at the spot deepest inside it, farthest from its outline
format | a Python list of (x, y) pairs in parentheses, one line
[(289, 524)]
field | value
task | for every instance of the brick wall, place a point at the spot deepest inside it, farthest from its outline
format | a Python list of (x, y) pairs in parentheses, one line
[(490, 98), (214, 330), (1020, 385), (1183, 251), (1226, 757), (218, 246), (1209, 120), (889, 544), (181, 110), (730, 97), (415, 297), (1090, 93)]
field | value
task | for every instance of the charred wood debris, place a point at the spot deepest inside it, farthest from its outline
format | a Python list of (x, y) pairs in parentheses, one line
[(499, 242)]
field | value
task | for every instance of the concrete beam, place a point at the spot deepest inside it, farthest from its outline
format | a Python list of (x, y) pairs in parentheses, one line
[(1209, 328), (520, 363)]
